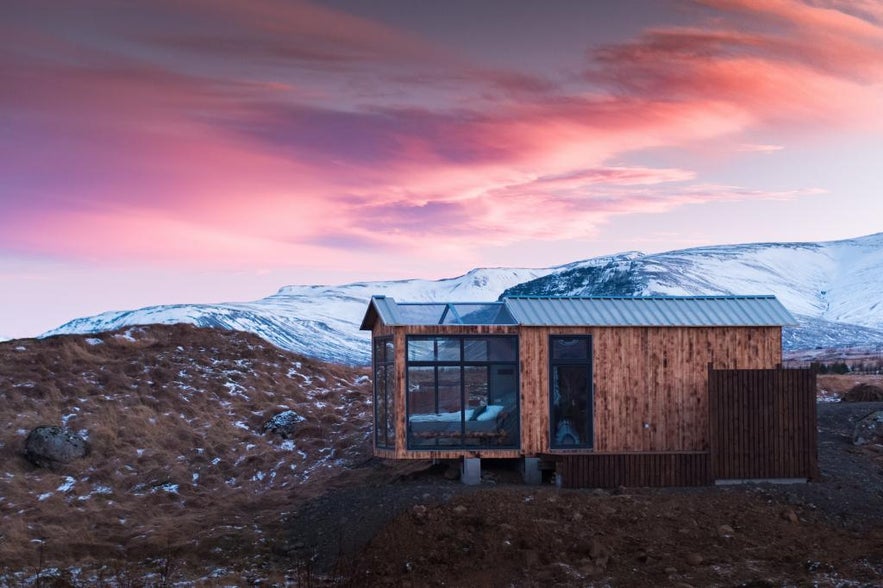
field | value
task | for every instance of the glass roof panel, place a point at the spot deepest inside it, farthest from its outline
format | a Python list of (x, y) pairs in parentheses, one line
[(491, 313), (421, 314)]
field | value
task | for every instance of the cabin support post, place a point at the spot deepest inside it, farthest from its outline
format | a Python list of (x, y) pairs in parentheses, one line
[(531, 472), (470, 471)]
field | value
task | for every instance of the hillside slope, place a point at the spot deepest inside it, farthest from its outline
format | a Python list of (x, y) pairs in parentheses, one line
[(174, 416)]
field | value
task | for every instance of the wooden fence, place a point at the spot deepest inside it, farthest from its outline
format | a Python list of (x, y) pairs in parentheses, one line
[(762, 423)]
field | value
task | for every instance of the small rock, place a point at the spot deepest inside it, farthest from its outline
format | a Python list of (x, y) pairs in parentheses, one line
[(47, 447), (670, 570), (460, 509), (725, 531), (869, 429), (791, 516), (419, 512), (599, 553), (694, 559), (283, 424), (606, 510)]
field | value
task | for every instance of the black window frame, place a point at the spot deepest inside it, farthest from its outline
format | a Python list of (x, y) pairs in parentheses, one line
[(387, 363), (461, 363), (588, 363)]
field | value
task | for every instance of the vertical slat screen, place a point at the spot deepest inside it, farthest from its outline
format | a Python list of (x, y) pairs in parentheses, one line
[(763, 423)]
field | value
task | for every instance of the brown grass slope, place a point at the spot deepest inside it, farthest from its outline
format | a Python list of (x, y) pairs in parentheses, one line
[(178, 464)]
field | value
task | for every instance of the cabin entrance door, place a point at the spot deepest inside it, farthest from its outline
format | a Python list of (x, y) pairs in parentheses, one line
[(570, 392)]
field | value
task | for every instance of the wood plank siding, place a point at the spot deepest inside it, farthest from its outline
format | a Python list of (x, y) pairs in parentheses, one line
[(763, 423), (611, 470), (652, 375)]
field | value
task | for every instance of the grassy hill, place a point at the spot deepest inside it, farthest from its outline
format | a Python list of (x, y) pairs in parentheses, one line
[(180, 473)]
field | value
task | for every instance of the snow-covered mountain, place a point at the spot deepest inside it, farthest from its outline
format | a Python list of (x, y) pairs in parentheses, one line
[(834, 288), (318, 321)]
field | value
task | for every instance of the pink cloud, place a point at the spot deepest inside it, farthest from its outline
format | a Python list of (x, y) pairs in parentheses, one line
[(289, 130), (759, 148)]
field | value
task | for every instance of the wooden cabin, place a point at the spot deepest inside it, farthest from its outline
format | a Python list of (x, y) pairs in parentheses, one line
[(531, 377)]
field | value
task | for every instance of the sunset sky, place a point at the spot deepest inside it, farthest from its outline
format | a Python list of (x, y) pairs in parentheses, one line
[(214, 150)]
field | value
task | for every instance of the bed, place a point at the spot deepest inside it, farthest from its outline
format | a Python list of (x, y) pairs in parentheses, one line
[(482, 423)]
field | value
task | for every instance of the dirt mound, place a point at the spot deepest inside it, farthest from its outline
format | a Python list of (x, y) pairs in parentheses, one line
[(863, 393)]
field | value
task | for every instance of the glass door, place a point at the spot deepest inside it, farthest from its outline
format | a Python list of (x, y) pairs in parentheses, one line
[(570, 392)]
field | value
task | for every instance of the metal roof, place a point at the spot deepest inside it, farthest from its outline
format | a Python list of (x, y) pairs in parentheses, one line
[(649, 311)]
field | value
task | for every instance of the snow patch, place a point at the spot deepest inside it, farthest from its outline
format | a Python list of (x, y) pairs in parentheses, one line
[(67, 485), (94, 341)]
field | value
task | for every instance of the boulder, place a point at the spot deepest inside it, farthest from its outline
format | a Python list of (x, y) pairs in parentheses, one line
[(47, 447), (869, 429), (283, 424), (863, 393)]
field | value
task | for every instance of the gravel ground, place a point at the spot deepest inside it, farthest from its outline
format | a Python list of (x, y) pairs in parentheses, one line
[(375, 526)]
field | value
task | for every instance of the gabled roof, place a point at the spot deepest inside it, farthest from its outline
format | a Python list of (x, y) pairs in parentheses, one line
[(648, 311), (651, 311)]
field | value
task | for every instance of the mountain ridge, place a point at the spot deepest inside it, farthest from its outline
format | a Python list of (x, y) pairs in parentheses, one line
[(833, 288)]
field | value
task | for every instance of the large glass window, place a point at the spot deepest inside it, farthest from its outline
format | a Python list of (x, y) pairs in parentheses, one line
[(462, 392), (384, 392), (570, 382)]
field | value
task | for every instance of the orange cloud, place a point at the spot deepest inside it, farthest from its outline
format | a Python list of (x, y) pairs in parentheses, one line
[(270, 131)]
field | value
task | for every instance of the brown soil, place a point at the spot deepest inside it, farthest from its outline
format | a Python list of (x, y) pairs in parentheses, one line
[(825, 533), (160, 404)]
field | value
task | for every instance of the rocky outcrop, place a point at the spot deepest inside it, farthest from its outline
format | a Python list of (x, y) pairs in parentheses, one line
[(50, 446), (283, 424), (869, 430)]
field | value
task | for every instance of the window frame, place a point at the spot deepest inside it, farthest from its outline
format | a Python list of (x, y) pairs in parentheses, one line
[(588, 364), (387, 363), (462, 363)]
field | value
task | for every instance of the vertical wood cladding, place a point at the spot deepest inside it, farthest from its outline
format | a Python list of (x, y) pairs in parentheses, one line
[(650, 383), (611, 470), (763, 424)]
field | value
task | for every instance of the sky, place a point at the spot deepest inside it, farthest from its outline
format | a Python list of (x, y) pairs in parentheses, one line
[(163, 151)]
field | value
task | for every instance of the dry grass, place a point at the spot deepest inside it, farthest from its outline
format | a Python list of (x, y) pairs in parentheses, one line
[(835, 386), (179, 470)]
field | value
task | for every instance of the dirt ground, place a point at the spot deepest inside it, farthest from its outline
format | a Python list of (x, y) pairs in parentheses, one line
[(426, 530), (184, 487)]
